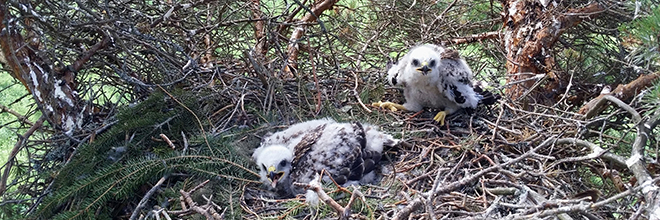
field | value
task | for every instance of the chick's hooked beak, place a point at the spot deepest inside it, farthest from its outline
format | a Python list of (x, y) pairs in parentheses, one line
[(425, 68), (274, 176)]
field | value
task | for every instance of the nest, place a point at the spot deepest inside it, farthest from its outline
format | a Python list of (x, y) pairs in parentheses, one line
[(500, 161)]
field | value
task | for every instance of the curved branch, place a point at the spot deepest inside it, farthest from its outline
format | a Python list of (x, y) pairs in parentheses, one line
[(14, 152), (623, 92), (595, 149), (472, 38), (292, 49)]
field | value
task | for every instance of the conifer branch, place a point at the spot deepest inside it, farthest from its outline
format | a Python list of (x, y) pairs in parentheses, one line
[(14, 152), (146, 197), (199, 122)]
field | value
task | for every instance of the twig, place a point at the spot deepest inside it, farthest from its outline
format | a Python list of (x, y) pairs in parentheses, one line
[(207, 210), (472, 178), (342, 212), (406, 211), (601, 101), (185, 143), (357, 96), (596, 150), (472, 38), (168, 141), (146, 197), (292, 48), (20, 117), (199, 122), (467, 180), (14, 152), (622, 92), (578, 207)]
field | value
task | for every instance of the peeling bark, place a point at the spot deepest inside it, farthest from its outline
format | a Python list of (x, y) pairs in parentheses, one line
[(259, 30), (53, 88), (530, 32), (292, 48), (624, 92)]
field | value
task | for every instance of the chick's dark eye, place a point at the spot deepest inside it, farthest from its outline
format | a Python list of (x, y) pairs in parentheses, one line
[(283, 163), (432, 63), (415, 62)]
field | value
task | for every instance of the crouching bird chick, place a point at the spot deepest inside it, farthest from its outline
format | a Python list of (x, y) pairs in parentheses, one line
[(349, 152), (435, 77)]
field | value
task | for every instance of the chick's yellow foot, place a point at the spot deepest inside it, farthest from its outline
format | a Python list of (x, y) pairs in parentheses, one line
[(389, 105), (440, 117)]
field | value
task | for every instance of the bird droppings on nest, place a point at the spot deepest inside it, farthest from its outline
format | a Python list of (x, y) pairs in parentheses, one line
[(434, 77), (348, 152)]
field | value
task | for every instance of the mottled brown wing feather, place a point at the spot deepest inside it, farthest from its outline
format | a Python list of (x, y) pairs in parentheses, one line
[(357, 168), (303, 147)]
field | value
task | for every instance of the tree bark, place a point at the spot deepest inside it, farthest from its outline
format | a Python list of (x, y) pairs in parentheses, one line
[(531, 29), (53, 88), (624, 92), (261, 47), (292, 49)]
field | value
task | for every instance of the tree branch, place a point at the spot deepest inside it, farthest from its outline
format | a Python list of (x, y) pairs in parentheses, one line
[(622, 92), (146, 197), (472, 38), (10, 161), (292, 48)]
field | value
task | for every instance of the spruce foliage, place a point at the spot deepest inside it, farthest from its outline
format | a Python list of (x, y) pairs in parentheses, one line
[(643, 37), (100, 176)]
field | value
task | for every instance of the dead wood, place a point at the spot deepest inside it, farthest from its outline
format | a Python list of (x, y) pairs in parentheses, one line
[(622, 92), (472, 38), (189, 206), (292, 48), (147, 196)]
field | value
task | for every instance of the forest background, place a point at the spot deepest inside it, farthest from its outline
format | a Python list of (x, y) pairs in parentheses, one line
[(137, 109)]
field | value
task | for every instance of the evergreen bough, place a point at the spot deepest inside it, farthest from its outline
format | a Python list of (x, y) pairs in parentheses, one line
[(109, 173)]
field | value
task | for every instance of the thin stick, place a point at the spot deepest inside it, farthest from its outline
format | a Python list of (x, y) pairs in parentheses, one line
[(14, 152), (146, 197)]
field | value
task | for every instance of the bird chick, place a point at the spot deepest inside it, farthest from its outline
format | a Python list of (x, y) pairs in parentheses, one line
[(348, 152), (435, 77)]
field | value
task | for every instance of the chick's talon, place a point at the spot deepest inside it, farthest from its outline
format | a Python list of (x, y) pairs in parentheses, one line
[(389, 105), (440, 117)]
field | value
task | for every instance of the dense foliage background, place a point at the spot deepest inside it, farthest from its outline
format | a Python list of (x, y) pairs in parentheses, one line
[(137, 109)]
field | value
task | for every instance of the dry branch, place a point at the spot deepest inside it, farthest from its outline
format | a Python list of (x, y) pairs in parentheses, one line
[(188, 205), (20, 117), (261, 47), (595, 149), (343, 212), (464, 181), (12, 155), (146, 197), (623, 92), (472, 38), (636, 162), (293, 49)]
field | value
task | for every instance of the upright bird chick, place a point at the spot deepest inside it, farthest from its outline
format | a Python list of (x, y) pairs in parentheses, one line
[(349, 152), (435, 77)]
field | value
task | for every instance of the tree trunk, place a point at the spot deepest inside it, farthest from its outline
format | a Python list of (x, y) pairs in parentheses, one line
[(53, 88), (531, 29)]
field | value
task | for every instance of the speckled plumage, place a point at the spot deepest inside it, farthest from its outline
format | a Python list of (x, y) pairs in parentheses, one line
[(448, 84), (347, 151)]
